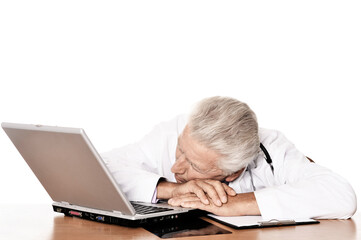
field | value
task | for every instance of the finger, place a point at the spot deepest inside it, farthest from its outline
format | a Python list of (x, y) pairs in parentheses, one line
[(195, 204), (177, 201), (230, 191), (221, 211), (220, 190), (191, 187), (200, 192), (214, 192)]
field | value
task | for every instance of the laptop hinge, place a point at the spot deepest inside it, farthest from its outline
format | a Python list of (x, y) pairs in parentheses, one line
[(117, 212), (65, 203)]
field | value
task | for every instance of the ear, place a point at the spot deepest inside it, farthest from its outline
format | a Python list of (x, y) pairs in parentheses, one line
[(234, 176)]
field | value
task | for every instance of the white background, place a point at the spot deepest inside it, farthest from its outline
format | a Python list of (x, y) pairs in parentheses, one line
[(117, 68)]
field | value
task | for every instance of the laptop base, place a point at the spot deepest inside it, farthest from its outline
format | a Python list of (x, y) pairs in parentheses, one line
[(103, 218)]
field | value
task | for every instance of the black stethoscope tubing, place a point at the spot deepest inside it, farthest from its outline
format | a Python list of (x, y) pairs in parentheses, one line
[(268, 157), (268, 160)]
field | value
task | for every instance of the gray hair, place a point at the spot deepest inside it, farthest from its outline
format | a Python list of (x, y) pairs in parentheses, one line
[(228, 127)]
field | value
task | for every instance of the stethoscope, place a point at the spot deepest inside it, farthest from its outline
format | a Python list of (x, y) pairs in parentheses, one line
[(268, 160)]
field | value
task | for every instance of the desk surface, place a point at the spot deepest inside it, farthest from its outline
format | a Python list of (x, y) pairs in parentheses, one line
[(40, 222)]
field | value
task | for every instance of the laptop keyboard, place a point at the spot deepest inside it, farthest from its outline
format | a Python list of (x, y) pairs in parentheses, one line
[(142, 209)]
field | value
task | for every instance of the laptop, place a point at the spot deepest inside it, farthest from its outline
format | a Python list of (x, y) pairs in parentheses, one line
[(76, 178)]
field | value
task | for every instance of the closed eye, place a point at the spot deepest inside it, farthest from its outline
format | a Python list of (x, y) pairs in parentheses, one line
[(195, 167)]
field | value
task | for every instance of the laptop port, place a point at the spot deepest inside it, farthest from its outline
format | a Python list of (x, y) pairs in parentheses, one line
[(75, 213)]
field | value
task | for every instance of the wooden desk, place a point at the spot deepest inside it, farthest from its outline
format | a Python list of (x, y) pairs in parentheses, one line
[(41, 223)]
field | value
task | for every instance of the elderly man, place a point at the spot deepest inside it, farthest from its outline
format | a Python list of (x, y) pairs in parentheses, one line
[(219, 160)]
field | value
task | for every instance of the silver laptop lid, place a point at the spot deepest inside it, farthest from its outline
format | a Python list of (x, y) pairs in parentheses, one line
[(68, 166)]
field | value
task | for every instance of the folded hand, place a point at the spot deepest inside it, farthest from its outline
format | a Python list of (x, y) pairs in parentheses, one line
[(206, 190)]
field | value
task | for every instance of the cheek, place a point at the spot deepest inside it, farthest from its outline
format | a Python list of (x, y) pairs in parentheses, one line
[(192, 174)]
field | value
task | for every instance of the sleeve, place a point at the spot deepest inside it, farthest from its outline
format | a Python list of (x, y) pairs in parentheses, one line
[(138, 167), (133, 170), (303, 189)]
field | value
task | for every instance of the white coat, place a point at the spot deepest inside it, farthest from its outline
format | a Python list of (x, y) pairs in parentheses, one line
[(296, 189)]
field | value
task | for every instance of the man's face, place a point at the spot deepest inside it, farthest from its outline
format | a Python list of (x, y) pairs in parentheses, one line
[(195, 161)]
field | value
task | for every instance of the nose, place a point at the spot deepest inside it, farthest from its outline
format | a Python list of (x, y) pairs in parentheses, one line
[(180, 166)]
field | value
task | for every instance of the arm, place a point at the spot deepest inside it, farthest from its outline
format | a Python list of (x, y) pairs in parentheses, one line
[(239, 205), (132, 172), (301, 189), (208, 191), (138, 167), (318, 193)]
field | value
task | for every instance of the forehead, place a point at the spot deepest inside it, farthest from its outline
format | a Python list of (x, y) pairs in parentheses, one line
[(197, 152)]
